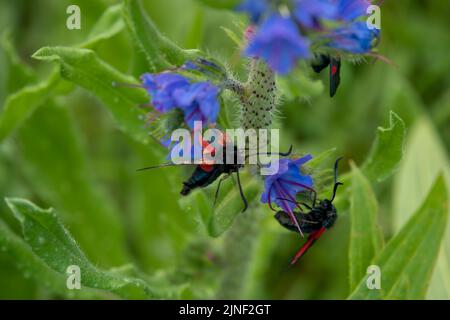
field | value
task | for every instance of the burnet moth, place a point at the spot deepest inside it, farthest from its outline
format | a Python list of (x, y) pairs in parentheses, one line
[(321, 215), (321, 62)]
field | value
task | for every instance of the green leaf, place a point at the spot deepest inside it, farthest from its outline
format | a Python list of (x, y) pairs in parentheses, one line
[(161, 53), (387, 150), (195, 32), (319, 159), (49, 239), (237, 39), (64, 180), (84, 68), (385, 155), (18, 73), (107, 26), (198, 206), (365, 236), (31, 266), (20, 105), (408, 260), (425, 158), (160, 231), (229, 203)]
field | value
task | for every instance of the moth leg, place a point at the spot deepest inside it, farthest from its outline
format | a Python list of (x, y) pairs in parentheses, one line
[(218, 188)]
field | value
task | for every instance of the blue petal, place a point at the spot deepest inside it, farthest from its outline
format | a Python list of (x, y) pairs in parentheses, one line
[(287, 183), (279, 43), (355, 38), (349, 10), (309, 12)]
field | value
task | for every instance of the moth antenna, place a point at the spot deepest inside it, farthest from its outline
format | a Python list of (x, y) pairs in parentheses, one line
[(336, 183), (165, 165), (281, 154)]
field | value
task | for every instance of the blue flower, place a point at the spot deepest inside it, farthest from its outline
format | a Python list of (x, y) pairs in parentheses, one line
[(161, 88), (354, 38), (283, 186), (349, 10), (279, 43), (254, 8), (199, 102), (309, 12)]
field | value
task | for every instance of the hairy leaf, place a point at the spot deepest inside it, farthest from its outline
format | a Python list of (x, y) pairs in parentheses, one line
[(107, 26), (20, 105), (33, 267), (23, 103), (49, 239), (161, 52), (83, 67)]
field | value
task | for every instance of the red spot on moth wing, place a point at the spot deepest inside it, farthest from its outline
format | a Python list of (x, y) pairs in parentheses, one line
[(333, 70)]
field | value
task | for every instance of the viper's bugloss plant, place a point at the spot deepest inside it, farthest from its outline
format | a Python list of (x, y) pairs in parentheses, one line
[(133, 236)]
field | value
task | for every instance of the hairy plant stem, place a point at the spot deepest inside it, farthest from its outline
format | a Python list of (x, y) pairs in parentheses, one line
[(257, 97), (258, 100)]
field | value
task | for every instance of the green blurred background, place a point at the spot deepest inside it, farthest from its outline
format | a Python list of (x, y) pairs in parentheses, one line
[(69, 154)]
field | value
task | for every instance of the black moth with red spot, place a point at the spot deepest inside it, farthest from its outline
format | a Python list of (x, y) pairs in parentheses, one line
[(320, 217), (323, 61), (205, 174)]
